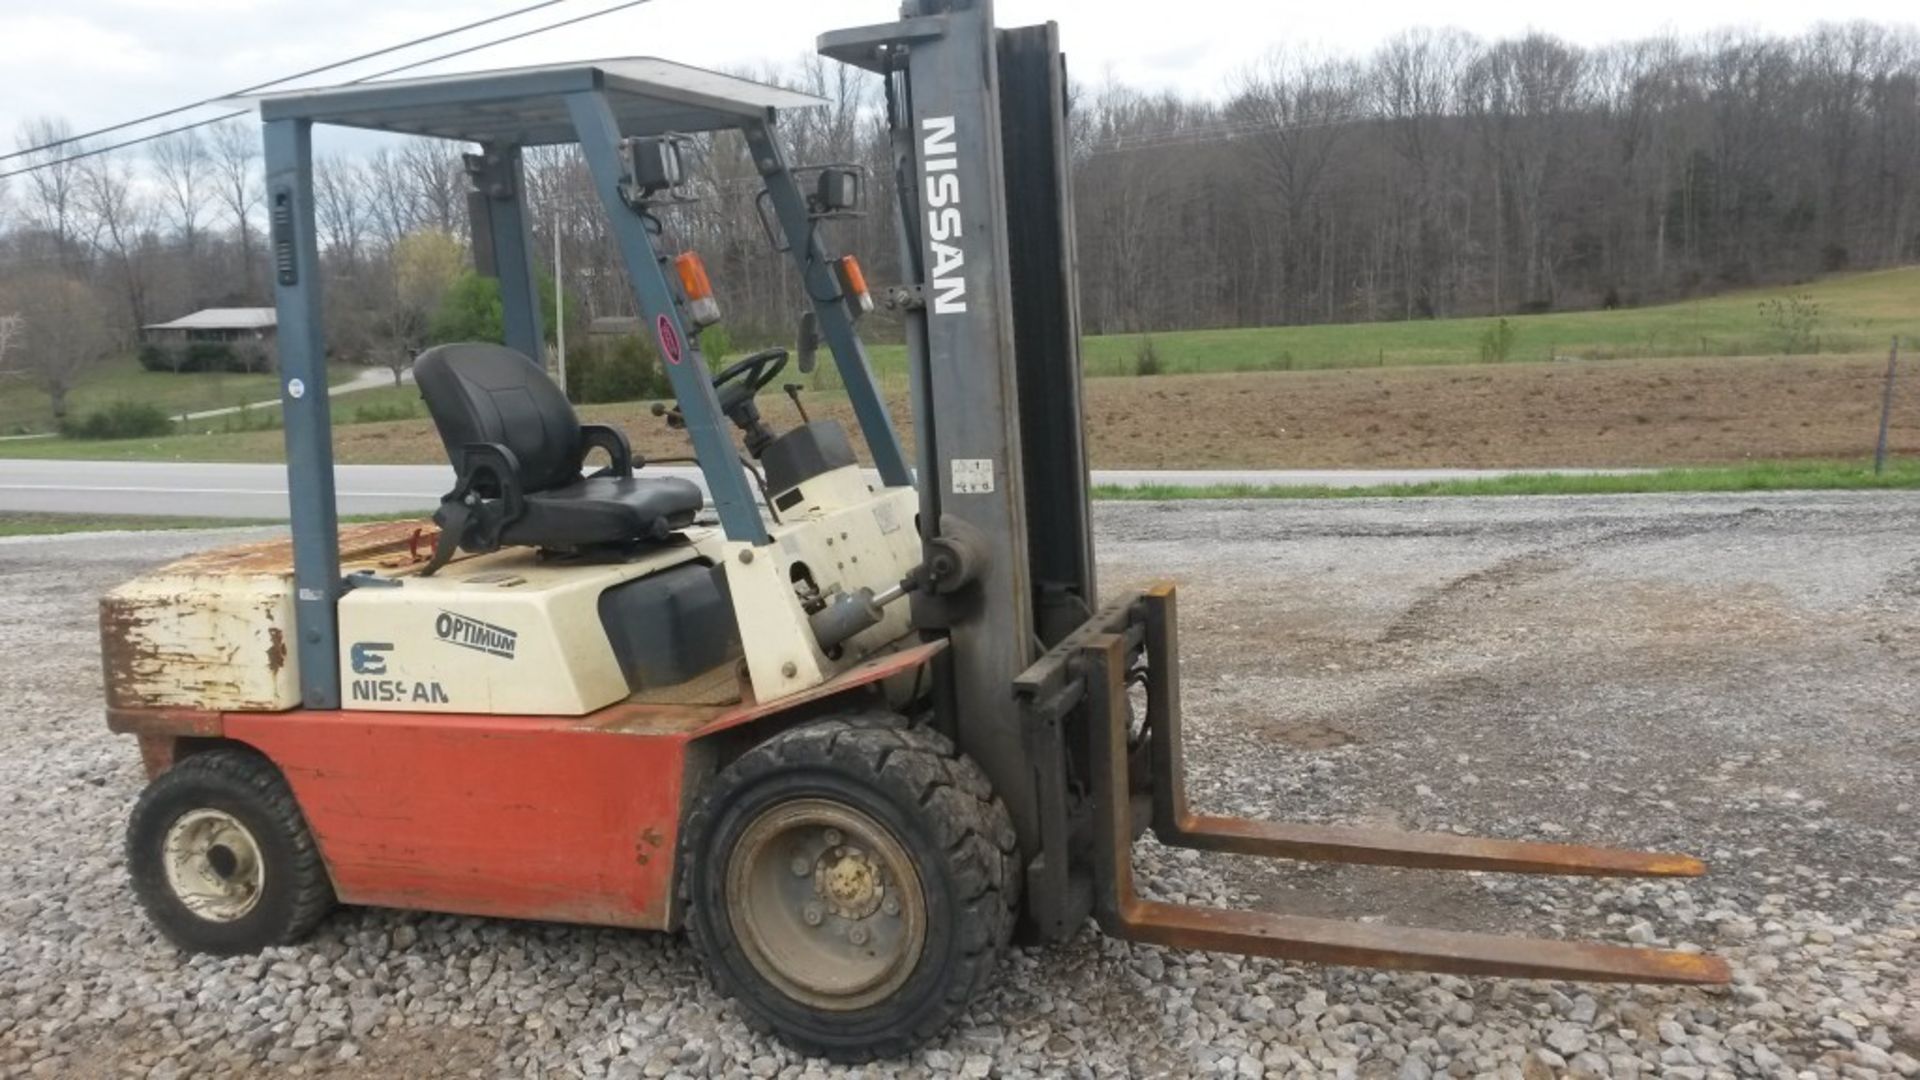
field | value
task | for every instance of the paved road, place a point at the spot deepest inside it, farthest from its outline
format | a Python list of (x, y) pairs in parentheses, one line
[(206, 489)]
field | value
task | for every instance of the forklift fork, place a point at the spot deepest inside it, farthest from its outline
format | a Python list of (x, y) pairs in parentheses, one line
[(1107, 663)]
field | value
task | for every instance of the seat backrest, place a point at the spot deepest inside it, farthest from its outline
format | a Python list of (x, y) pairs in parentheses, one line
[(483, 393)]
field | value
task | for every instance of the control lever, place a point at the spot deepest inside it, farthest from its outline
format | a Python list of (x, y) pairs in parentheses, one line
[(674, 418), (793, 391)]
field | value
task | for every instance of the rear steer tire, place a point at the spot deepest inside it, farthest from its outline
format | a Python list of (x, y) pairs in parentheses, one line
[(851, 884), (221, 858)]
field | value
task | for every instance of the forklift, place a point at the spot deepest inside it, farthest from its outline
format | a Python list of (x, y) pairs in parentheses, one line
[(853, 730)]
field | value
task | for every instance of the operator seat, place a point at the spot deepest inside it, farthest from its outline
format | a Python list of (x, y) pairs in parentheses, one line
[(517, 448)]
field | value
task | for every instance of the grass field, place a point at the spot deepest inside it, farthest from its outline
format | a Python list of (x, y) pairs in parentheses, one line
[(1306, 397), (1858, 313), (25, 409), (14, 523)]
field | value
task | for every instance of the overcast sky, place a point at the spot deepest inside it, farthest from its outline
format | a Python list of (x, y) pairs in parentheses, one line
[(98, 61)]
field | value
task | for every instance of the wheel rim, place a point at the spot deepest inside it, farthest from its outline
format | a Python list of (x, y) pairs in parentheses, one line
[(213, 865), (826, 904)]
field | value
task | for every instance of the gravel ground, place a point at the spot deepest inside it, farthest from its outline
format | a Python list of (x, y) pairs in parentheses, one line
[(1738, 677)]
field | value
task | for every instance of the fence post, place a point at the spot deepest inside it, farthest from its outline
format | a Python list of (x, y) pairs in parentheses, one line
[(1886, 410)]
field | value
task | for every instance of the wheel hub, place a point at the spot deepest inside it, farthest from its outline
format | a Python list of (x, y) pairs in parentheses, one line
[(826, 904), (213, 865), (849, 882)]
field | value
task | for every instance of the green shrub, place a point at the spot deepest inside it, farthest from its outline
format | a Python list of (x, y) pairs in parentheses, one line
[(160, 358), (252, 358), (716, 344), (244, 357), (623, 369), (208, 356), (120, 420), (1794, 322), (1146, 358), (471, 310), (1496, 344)]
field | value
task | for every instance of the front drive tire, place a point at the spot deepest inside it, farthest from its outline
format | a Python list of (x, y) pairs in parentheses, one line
[(851, 883), (221, 858)]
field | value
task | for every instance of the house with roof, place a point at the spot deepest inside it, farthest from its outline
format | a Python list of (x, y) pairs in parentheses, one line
[(212, 339)]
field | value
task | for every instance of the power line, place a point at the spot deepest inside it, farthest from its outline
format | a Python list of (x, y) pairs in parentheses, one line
[(97, 151), (111, 147), (216, 99), (500, 41)]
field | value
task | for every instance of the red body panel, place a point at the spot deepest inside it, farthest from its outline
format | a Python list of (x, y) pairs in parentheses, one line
[(569, 819), (523, 817)]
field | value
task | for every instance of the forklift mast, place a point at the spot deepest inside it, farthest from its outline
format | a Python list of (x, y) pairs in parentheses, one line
[(993, 341)]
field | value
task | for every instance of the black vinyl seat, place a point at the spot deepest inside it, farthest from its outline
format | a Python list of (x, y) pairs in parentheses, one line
[(517, 448)]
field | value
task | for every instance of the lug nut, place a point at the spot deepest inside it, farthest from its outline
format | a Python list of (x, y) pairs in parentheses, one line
[(857, 935), (813, 915), (801, 867), (832, 837), (890, 905)]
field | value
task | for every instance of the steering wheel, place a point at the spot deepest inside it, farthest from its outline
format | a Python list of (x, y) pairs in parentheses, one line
[(749, 375)]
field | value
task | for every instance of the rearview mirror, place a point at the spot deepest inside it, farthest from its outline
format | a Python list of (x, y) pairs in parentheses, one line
[(838, 191), (652, 165)]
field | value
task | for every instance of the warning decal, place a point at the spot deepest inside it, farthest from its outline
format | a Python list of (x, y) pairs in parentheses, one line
[(972, 476)]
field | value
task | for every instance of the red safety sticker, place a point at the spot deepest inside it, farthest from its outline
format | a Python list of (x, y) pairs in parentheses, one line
[(669, 339)]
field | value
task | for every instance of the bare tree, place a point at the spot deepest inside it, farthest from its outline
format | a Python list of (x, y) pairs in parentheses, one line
[(182, 165), (1522, 93), (54, 184), (1294, 109), (1415, 88), (62, 333), (234, 147), (339, 210), (436, 183), (388, 197), (121, 222), (11, 324)]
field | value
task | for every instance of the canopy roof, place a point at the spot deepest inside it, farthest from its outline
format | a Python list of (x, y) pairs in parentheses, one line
[(527, 106)]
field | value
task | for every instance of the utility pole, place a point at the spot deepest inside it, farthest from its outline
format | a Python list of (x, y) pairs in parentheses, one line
[(1886, 410)]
